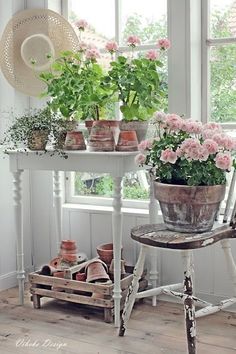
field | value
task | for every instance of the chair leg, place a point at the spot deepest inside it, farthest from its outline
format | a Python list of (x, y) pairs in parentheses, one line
[(189, 307), (133, 289)]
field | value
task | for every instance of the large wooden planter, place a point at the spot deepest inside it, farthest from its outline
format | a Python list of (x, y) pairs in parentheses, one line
[(99, 295), (189, 208)]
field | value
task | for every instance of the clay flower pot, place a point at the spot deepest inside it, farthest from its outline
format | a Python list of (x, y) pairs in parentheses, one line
[(55, 262), (38, 139), (59, 274), (127, 141), (105, 252), (139, 126), (96, 270), (104, 134), (68, 245), (75, 141)]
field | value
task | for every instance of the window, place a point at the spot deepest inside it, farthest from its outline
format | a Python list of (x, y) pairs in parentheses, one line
[(219, 53), (115, 20)]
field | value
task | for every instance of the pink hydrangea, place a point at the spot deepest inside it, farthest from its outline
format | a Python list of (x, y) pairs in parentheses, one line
[(223, 161), (145, 145), (211, 146), (111, 46), (133, 41), (92, 54), (152, 54), (168, 155), (163, 44), (140, 159), (192, 126), (174, 122), (81, 24)]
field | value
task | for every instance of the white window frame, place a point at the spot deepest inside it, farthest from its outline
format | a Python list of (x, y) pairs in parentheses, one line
[(207, 43), (70, 196)]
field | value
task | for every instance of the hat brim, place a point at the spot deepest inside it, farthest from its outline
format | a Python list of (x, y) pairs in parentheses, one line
[(23, 25)]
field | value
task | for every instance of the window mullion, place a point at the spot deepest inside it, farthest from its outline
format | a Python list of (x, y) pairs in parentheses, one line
[(205, 61), (117, 21)]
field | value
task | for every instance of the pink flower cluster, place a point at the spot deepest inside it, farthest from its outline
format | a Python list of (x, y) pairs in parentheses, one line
[(92, 54), (163, 44), (111, 47), (133, 40), (81, 24), (202, 142), (152, 54)]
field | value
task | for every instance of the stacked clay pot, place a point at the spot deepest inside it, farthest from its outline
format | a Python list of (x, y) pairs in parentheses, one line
[(68, 251), (127, 141), (104, 134), (75, 141)]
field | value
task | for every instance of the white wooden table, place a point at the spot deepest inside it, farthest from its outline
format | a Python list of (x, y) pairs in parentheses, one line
[(117, 164)]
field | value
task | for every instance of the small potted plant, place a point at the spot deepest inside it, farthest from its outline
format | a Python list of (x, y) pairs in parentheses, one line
[(138, 84), (31, 129), (189, 162)]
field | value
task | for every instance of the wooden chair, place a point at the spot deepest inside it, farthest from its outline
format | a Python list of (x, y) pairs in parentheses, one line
[(156, 235)]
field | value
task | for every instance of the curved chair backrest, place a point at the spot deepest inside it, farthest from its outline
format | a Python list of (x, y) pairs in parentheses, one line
[(229, 203)]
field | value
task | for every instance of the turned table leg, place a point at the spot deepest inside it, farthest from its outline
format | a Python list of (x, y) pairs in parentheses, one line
[(18, 213), (58, 206), (117, 236)]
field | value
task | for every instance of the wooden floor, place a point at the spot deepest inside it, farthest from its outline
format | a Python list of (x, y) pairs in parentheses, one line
[(69, 328)]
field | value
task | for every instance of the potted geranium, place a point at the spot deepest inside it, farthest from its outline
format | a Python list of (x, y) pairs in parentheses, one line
[(189, 162), (31, 130), (138, 83)]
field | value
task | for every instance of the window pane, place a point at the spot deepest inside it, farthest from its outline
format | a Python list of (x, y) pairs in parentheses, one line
[(135, 185), (146, 19), (223, 83), (100, 16), (223, 18)]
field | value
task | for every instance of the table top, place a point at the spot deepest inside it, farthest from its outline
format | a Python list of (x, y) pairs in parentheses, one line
[(116, 163)]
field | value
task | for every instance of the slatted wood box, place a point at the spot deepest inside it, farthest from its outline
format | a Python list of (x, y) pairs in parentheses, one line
[(99, 295)]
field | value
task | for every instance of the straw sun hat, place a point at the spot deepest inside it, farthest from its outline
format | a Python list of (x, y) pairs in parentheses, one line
[(30, 42)]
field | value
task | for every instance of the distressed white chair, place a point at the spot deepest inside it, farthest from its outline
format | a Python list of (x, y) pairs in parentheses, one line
[(156, 235)]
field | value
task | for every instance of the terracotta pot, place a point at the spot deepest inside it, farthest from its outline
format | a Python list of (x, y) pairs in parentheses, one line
[(88, 124), (68, 245), (38, 139), (96, 270), (74, 141), (187, 208), (140, 128), (69, 257), (127, 141), (47, 270), (122, 267), (104, 135), (105, 252), (80, 276)]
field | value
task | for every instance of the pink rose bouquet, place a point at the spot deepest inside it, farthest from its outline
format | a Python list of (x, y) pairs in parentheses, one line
[(187, 152)]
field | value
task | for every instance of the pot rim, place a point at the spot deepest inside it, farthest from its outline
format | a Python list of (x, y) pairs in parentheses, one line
[(185, 185)]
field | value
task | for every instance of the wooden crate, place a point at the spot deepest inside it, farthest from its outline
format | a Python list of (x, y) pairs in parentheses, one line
[(99, 295)]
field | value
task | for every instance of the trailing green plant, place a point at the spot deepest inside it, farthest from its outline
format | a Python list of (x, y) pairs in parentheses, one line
[(20, 131)]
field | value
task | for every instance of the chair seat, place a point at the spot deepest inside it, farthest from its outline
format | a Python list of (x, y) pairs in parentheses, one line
[(157, 235)]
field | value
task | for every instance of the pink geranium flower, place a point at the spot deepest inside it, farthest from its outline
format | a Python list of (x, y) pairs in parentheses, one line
[(81, 24), (168, 155), (152, 54), (223, 161), (111, 47), (211, 146), (191, 126), (145, 145), (82, 46), (163, 44), (92, 54), (140, 159), (133, 41), (174, 122)]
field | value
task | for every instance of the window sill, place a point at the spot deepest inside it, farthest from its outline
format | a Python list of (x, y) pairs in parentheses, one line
[(104, 209)]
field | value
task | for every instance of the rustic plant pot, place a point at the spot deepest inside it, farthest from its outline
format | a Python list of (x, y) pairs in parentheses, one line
[(55, 262), (96, 270), (80, 276), (139, 127), (68, 251), (104, 135), (74, 141), (189, 208), (38, 139), (105, 252), (127, 141), (68, 244)]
